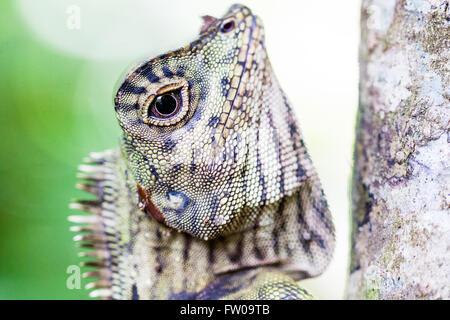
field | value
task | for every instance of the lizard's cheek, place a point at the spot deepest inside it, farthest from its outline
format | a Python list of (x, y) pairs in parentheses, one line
[(173, 207)]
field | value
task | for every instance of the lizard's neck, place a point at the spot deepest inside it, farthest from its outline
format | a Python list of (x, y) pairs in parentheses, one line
[(145, 259)]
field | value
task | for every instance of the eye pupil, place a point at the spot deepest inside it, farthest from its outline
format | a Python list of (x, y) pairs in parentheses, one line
[(165, 104), (227, 26)]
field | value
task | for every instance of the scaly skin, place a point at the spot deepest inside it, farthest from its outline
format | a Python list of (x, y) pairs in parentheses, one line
[(214, 198)]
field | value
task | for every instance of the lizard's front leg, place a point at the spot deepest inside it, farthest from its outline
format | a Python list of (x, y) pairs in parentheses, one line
[(256, 284)]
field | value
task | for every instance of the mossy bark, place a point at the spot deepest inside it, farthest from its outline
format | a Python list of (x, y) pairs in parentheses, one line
[(401, 178)]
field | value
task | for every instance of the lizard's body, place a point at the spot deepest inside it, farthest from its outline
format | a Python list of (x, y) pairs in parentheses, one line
[(217, 199)]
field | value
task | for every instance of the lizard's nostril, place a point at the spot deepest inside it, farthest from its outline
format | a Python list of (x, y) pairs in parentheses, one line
[(227, 26)]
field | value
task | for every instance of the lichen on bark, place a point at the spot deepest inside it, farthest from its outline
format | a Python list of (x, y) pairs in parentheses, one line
[(401, 178)]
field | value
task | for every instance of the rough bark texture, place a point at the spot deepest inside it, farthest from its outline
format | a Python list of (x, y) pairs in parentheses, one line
[(400, 191)]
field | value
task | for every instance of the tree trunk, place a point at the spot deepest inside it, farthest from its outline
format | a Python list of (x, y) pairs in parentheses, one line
[(401, 178)]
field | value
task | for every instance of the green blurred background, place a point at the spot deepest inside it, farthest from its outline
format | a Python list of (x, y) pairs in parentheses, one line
[(56, 94), (45, 131)]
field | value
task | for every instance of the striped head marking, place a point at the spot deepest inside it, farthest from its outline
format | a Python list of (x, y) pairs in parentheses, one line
[(192, 129)]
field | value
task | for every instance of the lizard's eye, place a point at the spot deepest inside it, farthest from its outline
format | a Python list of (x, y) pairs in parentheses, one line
[(227, 26), (168, 105), (165, 106)]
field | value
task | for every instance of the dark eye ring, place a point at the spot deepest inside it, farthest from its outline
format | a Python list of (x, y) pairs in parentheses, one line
[(227, 26), (165, 106)]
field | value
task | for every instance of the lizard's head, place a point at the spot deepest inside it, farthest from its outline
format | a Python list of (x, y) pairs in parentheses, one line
[(191, 129)]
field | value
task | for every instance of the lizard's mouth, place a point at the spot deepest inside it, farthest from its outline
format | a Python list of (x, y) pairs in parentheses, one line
[(147, 206)]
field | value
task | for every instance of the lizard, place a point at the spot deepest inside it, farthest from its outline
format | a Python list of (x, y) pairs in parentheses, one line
[(211, 194)]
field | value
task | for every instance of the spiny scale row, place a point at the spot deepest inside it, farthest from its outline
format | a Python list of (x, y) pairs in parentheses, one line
[(94, 233)]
